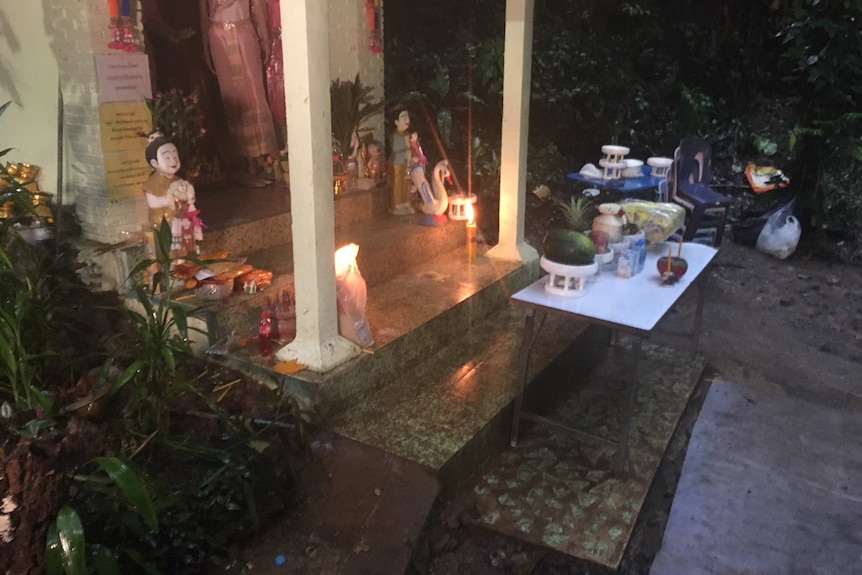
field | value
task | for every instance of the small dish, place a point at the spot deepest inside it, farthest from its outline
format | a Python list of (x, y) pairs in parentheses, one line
[(210, 290)]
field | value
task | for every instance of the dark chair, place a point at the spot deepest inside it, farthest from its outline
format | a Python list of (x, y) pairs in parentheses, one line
[(688, 185)]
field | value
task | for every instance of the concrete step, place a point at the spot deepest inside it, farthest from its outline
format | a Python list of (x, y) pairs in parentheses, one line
[(412, 316), (452, 410), (434, 387)]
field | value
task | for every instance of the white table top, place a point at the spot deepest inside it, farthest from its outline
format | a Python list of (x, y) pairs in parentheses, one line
[(638, 302)]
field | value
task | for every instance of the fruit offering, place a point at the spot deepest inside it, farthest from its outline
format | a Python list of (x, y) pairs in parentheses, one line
[(569, 247)]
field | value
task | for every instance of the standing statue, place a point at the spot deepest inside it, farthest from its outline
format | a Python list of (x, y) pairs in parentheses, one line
[(400, 159), (171, 198), (235, 48)]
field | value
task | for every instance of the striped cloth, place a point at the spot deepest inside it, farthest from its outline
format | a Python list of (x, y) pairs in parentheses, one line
[(237, 61)]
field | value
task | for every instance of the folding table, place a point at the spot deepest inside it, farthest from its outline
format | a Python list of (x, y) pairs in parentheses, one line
[(633, 306)]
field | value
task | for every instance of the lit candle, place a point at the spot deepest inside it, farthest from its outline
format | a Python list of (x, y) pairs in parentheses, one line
[(471, 233)]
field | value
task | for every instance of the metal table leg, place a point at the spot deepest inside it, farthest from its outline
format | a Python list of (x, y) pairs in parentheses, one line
[(628, 404), (698, 314), (526, 345)]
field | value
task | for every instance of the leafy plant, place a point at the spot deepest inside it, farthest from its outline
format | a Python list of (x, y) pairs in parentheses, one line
[(38, 291), (351, 104), (178, 117), (178, 511), (67, 551), (160, 347)]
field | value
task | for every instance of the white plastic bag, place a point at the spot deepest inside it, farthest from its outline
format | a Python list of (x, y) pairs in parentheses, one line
[(352, 293), (780, 234)]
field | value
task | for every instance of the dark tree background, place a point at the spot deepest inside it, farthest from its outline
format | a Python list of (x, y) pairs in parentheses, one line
[(774, 82)]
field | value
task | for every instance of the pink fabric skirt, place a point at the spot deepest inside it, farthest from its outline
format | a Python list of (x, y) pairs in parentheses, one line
[(237, 61)]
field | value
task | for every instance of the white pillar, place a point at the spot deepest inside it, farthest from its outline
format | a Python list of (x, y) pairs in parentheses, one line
[(516, 115), (306, 63)]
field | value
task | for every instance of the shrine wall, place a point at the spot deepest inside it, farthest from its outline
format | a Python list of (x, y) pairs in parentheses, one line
[(350, 53), (29, 78), (79, 31)]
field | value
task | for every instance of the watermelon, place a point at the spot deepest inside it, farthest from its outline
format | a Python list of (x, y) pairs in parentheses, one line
[(569, 247)]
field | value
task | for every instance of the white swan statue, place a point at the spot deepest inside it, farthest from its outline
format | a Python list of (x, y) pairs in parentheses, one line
[(435, 200), (441, 197)]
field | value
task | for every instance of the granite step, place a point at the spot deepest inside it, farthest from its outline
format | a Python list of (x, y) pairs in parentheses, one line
[(412, 316), (452, 410)]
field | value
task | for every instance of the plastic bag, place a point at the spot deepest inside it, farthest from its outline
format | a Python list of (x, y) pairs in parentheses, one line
[(352, 294), (658, 221), (780, 234), (746, 229)]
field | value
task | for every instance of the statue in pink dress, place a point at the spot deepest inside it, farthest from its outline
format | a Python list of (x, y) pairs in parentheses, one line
[(236, 44), (275, 73)]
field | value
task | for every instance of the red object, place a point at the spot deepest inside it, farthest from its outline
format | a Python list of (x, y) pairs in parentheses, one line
[(678, 266), (372, 11), (264, 334)]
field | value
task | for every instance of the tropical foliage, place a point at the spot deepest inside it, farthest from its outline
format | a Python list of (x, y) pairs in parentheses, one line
[(766, 82), (352, 104)]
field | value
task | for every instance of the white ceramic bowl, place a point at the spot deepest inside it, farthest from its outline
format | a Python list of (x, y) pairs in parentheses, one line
[(633, 169)]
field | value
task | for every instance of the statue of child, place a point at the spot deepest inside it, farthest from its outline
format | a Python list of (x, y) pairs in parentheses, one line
[(170, 197), (400, 161)]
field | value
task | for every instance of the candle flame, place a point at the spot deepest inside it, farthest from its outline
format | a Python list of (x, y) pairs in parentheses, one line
[(470, 214), (345, 257)]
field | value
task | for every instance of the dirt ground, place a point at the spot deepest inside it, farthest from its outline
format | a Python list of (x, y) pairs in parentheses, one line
[(794, 322)]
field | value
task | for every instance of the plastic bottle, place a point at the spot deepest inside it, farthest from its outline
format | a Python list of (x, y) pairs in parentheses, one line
[(264, 334), (352, 175)]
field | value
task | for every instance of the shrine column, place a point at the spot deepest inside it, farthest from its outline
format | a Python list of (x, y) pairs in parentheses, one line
[(305, 33), (516, 115)]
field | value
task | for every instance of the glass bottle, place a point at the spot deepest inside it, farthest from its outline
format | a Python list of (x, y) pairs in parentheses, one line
[(264, 334)]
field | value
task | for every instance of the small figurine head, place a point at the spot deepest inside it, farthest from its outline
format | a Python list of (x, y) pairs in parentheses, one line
[(402, 119), (162, 155)]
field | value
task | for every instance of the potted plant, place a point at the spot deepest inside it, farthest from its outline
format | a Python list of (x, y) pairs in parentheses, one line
[(352, 104)]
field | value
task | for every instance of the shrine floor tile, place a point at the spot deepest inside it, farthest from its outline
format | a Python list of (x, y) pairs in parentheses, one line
[(558, 491)]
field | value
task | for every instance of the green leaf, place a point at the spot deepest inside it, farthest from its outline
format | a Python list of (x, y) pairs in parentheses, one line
[(258, 445), (105, 562), (53, 555), (70, 535), (128, 482), (128, 374)]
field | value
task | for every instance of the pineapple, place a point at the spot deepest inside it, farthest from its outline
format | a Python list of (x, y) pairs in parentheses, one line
[(578, 213)]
